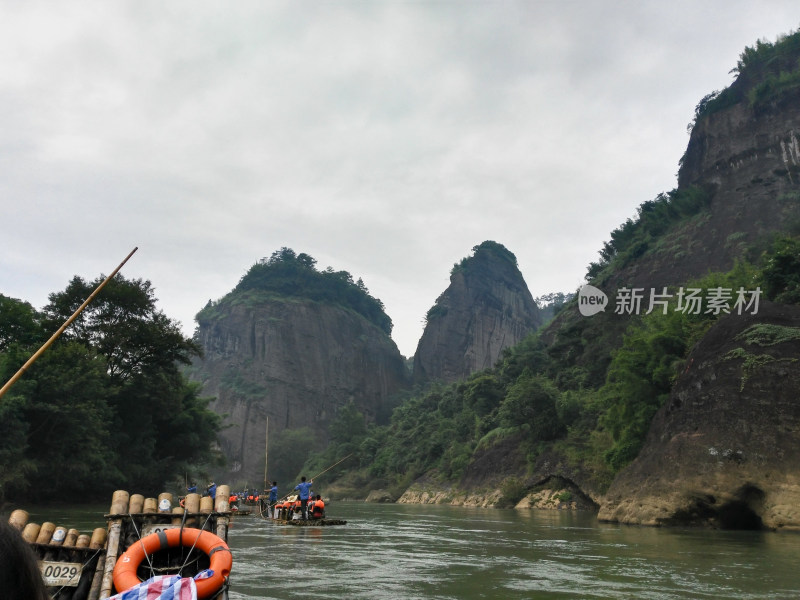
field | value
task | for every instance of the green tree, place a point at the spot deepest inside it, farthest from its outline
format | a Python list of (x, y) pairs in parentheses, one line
[(531, 401), (287, 273), (69, 438), (288, 453), (15, 463), (18, 323), (141, 351), (780, 277), (349, 425)]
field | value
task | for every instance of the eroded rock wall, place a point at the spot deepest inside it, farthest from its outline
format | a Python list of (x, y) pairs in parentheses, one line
[(725, 450), (296, 361), (487, 307)]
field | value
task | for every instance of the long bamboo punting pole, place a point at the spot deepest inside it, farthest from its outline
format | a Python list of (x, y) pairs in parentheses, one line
[(333, 465), (321, 472), (61, 329), (266, 454)]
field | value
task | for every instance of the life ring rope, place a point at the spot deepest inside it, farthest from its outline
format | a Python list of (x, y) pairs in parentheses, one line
[(220, 557)]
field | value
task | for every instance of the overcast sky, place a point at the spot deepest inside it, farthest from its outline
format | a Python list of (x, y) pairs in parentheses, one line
[(383, 138)]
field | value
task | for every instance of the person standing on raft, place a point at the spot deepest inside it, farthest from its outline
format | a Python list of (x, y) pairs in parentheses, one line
[(304, 489), (272, 500)]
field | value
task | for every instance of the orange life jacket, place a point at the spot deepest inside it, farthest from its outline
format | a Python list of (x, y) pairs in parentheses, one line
[(319, 508)]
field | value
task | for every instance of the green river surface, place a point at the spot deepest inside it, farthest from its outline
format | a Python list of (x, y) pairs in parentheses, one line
[(394, 551)]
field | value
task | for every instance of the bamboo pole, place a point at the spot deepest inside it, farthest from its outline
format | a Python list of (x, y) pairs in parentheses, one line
[(61, 329), (31, 532), (18, 519), (46, 533), (266, 454), (72, 537), (222, 506), (321, 472), (119, 506), (329, 468), (97, 580)]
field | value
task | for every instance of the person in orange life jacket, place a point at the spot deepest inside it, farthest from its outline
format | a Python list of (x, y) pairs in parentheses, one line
[(318, 508), (304, 487)]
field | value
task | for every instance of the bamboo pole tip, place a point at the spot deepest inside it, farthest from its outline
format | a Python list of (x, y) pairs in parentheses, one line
[(18, 519)]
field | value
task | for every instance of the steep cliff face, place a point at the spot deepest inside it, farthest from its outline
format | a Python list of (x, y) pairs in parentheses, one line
[(725, 450), (486, 308), (746, 157), (295, 361)]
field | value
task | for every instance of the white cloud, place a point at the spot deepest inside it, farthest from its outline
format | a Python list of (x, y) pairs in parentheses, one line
[(386, 138)]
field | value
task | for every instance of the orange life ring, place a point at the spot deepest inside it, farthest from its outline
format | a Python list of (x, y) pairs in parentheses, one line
[(125, 576)]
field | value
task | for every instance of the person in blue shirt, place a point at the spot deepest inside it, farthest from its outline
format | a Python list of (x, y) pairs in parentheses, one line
[(273, 498), (211, 490), (192, 489), (304, 489)]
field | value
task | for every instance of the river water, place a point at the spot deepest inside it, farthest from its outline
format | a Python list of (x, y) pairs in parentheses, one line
[(392, 551), (441, 552)]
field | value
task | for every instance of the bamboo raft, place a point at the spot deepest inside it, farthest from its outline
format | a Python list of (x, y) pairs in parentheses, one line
[(81, 567), (309, 522), (283, 517), (71, 563)]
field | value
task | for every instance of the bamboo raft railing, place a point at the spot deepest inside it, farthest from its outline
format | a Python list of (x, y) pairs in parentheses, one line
[(80, 566), (71, 563)]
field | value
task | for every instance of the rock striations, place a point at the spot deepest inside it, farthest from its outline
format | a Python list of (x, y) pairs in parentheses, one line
[(294, 360), (486, 308), (725, 449)]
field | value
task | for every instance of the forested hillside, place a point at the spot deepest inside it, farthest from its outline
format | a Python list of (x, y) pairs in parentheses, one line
[(575, 401)]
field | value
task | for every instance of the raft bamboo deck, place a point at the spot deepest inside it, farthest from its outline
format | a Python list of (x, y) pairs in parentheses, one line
[(80, 567)]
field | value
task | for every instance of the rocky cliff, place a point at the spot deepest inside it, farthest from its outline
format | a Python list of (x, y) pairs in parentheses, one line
[(294, 360), (725, 450), (487, 307), (744, 152)]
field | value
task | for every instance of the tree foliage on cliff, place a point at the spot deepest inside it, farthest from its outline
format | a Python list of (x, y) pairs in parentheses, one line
[(596, 412), (654, 218), (765, 72), (106, 406), (780, 277), (286, 273), (483, 252), (589, 388)]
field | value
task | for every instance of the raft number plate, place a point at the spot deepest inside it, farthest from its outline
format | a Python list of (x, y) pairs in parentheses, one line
[(60, 573), (156, 528)]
